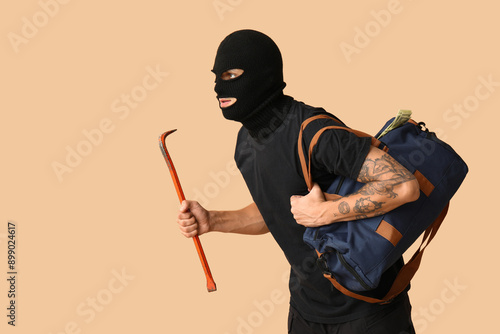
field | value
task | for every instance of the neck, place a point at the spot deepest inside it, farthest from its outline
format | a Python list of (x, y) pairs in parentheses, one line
[(268, 116)]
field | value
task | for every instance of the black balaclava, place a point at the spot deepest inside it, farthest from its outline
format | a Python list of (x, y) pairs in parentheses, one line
[(261, 82)]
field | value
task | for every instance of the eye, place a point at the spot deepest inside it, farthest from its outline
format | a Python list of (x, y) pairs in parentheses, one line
[(228, 76), (231, 74)]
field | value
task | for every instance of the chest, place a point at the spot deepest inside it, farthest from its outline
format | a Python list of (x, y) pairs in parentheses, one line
[(271, 168)]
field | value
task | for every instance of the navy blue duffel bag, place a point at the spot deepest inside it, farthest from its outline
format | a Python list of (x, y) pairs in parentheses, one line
[(353, 255)]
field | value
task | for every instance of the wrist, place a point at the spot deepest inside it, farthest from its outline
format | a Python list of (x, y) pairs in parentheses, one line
[(328, 212), (220, 221), (213, 221)]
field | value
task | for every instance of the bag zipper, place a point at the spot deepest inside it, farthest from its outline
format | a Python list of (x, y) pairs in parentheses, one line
[(339, 185), (353, 272), (340, 256)]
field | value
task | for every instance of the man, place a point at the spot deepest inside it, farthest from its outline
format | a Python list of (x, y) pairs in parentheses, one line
[(249, 86)]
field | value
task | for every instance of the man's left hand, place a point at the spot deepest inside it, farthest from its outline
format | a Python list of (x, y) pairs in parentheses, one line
[(311, 210)]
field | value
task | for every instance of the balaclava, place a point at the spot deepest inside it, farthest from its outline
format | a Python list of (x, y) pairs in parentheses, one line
[(262, 80)]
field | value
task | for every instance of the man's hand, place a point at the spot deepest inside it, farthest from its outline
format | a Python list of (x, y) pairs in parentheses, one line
[(193, 219), (310, 210)]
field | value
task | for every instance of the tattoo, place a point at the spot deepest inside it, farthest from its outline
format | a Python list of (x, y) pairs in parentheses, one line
[(381, 175), (366, 205), (344, 208)]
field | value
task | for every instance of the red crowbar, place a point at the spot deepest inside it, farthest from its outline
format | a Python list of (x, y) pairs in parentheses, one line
[(210, 281)]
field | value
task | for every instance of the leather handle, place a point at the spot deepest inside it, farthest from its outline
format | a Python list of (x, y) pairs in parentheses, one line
[(306, 167)]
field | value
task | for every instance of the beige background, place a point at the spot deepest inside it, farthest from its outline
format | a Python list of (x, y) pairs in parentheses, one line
[(67, 65)]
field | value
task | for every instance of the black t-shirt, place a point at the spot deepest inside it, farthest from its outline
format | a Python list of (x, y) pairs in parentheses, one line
[(271, 168)]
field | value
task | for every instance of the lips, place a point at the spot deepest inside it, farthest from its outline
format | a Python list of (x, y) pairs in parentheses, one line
[(225, 102)]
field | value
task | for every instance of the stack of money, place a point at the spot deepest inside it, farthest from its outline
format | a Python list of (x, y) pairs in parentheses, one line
[(401, 118)]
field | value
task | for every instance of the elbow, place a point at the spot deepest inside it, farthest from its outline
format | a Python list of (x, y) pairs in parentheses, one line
[(411, 190)]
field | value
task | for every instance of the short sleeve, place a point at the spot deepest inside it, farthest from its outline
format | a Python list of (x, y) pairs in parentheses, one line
[(338, 151)]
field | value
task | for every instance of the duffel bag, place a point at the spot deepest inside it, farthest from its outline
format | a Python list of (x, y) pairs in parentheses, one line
[(353, 255)]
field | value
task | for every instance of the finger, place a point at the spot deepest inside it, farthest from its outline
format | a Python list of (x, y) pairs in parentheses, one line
[(189, 228), (185, 216), (187, 205), (187, 222), (297, 219), (189, 231), (317, 192), (190, 234), (316, 189)]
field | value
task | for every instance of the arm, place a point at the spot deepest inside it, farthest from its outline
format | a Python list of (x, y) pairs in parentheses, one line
[(388, 185), (193, 220)]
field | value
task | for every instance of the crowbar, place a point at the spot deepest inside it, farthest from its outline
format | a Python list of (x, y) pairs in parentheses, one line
[(210, 281)]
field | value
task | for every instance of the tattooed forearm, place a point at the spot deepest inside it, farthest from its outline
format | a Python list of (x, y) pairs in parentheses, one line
[(387, 185), (381, 175), (366, 205)]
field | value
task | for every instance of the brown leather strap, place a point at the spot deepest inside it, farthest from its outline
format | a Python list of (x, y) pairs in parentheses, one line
[(425, 185), (300, 147), (405, 274), (389, 232), (306, 166)]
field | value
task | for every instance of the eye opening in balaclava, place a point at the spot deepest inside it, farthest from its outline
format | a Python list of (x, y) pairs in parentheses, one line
[(237, 72)]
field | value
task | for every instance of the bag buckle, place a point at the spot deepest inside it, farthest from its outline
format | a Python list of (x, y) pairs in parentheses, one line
[(323, 265)]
